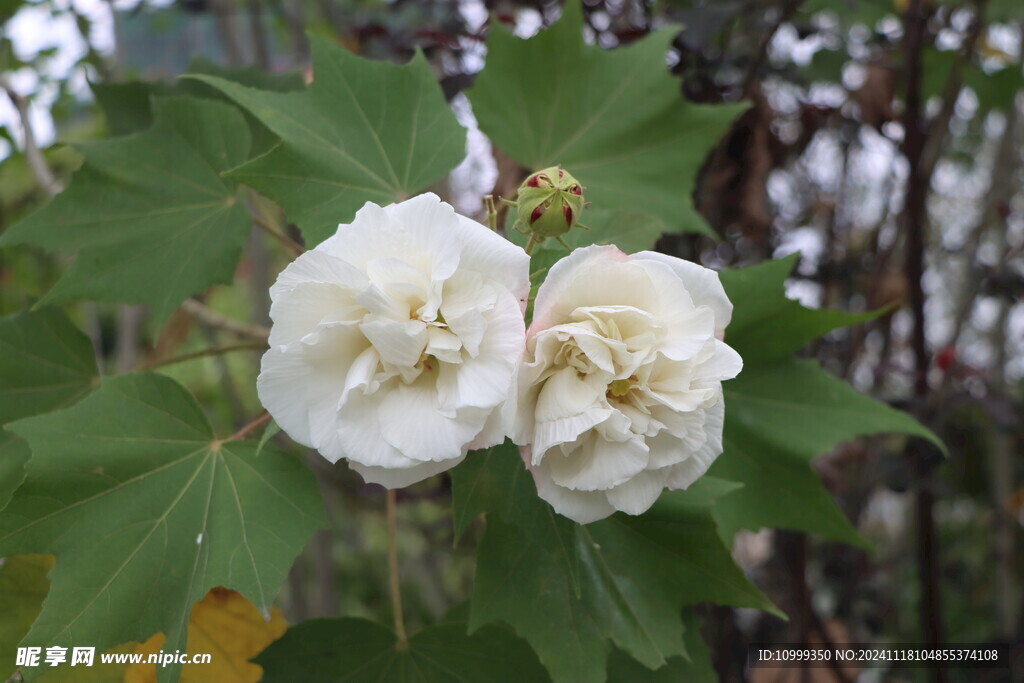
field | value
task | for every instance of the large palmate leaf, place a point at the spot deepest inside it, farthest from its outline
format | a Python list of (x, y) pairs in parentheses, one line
[(615, 119), (573, 591), (45, 364), (696, 667), (14, 453), (778, 416), (363, 131), (765, 324), (780, 412), (151, 217), (128, 107), (146, 511), (360, 650)]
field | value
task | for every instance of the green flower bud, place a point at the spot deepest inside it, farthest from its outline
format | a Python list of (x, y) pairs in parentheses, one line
[(549, 202)]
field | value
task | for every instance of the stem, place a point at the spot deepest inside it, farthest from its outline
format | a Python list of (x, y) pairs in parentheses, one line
[(396, 590), (33, 155), (215, 351), (212, 318), (255, 424), (293, 247), (531, 244), (492, 213)]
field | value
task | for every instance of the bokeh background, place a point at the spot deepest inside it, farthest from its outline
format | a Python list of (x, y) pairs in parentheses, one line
[(883, 143)]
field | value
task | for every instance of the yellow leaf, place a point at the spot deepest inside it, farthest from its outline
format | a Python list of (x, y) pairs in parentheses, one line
[(226, 626)]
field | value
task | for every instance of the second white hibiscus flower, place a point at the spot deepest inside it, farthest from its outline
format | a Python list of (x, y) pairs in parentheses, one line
[(620, 388)]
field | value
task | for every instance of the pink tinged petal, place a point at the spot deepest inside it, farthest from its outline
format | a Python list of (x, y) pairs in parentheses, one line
[(399, 343), (702, 283), (297, 311), (637, 495), (596, 464), (396, 478), (580, 506), (411, 421), (688, 471)]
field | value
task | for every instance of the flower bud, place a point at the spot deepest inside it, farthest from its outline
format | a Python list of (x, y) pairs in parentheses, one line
[(549, 202)]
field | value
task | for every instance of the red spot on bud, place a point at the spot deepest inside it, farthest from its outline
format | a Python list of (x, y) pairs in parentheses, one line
[(561, 173), (575, 189), (535, 180), (537, 213), (567, 212)]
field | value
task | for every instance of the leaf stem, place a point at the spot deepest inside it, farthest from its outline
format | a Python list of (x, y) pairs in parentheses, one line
[(531, 244), (396, 591), (255, 424), (214, 351)]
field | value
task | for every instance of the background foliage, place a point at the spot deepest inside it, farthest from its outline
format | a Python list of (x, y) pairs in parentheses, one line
[(879, 140)]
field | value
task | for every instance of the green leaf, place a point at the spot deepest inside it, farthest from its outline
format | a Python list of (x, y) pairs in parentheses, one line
[(697, 668), (152, 218), (45, 364), (23, 586), (361, 650), (615, 119), (146, 511), (128, 106), (14, 453), (634, 573), (363, 131), (767, 326), (778, 417)]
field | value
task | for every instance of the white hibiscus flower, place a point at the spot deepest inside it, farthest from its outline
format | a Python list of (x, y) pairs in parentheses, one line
[(395, 341), (620, 392)]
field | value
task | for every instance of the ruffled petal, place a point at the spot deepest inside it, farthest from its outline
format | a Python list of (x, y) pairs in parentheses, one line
[(396, 478), (597, 464), (637, 495)]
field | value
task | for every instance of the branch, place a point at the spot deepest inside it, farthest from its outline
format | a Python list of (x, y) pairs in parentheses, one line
[(212, 318), (214, 351), (36, 162)]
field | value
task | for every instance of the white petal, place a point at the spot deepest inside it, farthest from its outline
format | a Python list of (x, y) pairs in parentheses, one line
[(688, 471), (410, 420), (399, 343), (359, 432), (566, 394), (547, 435), (580, 506), (723, 364), (702, 283), (597, 464), (686, 339), (637, 495), (416, 231), (494, 257), (396, 478), (298, 310), (317, 266)]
